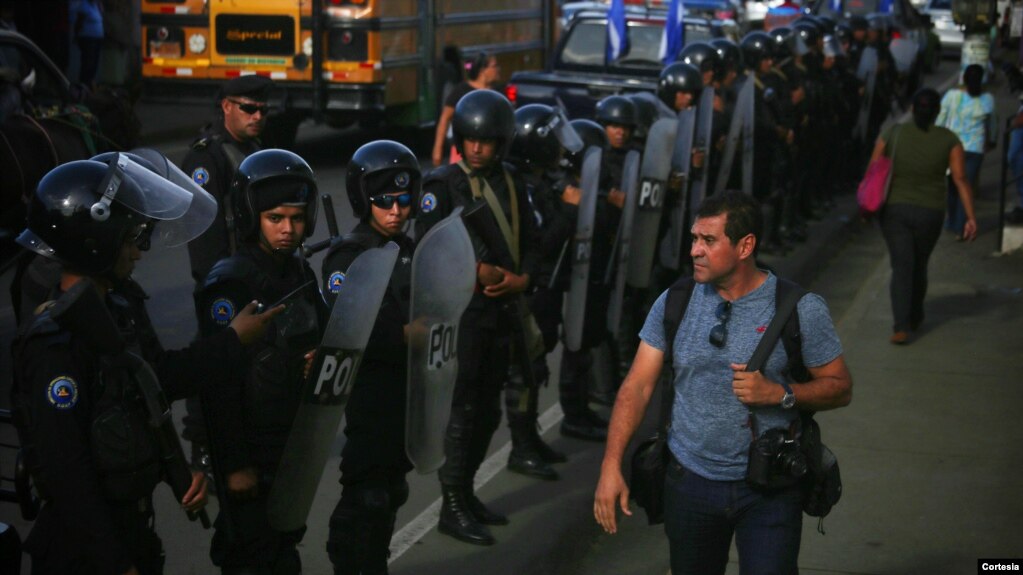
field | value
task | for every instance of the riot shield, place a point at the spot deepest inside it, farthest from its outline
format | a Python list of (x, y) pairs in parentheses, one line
[(867, 73), (663, 111), (749, 108), (443, 279), (575, 299), (743, 101), (702, 140), (653, 183), (681, 159), (904, 53), (630, 185), (326, 390)]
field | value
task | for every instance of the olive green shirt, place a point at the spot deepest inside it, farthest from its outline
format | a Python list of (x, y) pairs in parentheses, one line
[(921, 162)]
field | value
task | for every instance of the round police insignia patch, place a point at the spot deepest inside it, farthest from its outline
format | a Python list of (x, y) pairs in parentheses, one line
[(63, 393), (222, 311), (428, 203), (335, 281), (402, 180), (200, 176)]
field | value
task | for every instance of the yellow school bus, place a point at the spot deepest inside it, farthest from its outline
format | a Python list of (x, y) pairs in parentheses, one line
[(341, 61)]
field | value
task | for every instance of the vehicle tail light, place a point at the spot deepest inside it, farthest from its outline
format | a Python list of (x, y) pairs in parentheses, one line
[(896, 35), (511, 91), (724, 14)]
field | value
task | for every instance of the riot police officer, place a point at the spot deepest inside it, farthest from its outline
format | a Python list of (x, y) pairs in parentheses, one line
[(382, 183), (273, 195), (483, 126), (536, 154), (211, 161), (706, 58), (85, 429)]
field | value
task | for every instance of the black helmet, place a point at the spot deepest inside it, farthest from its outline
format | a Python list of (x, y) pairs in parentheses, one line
[(267, 179), (828, 23), (729, 53), (646, 115), (705, 57), (532, 146), (678, 77), (756, 46), (809, 32), (843, 32), (858, 22), (616, 110), (787, 42), (381, 167), (484, 115), (82, 212), (592, 134), (877, 21)]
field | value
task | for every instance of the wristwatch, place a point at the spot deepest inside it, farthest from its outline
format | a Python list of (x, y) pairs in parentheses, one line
[(788, 401)]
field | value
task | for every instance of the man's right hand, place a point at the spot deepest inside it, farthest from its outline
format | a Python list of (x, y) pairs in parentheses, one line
[(611, 490), (243, 484), (489, 275), (250, 326), (572, 195)]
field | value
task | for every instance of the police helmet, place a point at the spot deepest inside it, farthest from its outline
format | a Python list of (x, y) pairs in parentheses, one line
[(858, 22), (729, 53), (484, 115), (705, 57), (381, 167), (843, 32), (592, 134), (877, 21), (646, 115), (756, 46), (678, 77), (809, 32), (82, 212), (533, 144), (616, 110), (267, 179), (828, 23), (781, 42)]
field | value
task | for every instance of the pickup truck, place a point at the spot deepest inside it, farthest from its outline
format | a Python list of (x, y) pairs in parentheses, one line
[(577, 75)]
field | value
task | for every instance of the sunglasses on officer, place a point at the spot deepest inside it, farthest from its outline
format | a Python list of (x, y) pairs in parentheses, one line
[(250, 108), (386, 202)]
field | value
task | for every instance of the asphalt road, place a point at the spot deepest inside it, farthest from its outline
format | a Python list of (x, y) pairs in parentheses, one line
[(551, 530)]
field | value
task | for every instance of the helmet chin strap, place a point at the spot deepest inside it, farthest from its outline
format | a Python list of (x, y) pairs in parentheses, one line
[(279, 252)]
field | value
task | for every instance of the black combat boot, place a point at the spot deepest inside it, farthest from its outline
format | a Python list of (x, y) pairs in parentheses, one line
[(458, 521), (580, 421), (481, 513), (524, 458)]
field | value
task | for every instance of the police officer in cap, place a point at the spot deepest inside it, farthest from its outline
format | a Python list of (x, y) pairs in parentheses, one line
[(383, 182), (84, 428), (240, 118), (273, 195), (241, 112), (483, 126)]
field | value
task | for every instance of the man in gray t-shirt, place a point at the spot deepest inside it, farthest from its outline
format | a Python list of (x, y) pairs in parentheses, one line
[(718, 405)]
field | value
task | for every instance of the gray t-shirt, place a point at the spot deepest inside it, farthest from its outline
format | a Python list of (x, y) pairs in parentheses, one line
[(710, 432)]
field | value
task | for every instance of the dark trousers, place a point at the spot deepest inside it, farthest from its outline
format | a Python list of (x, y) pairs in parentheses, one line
[(954, 206), (244, 542), (701, 516), (483, 358), (911, 233)]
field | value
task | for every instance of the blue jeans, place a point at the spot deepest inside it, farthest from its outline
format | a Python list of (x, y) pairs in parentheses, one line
[(701, 515), (956, 214), (1016, 161)]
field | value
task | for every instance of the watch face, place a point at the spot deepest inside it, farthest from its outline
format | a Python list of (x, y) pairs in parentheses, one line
[(788, 401)]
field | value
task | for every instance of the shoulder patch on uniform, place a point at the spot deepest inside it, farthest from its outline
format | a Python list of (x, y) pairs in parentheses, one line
[(222, 311), (200, 176), (428, 203), (62, 392), (335, 281)]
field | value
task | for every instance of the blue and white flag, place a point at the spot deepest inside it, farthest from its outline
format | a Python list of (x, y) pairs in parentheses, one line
[(617, 40), (836, 6), (886, 6), (674, 36)]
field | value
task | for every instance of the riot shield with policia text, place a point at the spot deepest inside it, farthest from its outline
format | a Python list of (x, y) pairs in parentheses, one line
[(326, 390), (653, 187), (582, 243), (443, 280)]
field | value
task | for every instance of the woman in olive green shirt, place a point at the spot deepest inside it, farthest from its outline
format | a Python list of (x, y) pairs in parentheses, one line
[(912, 217)]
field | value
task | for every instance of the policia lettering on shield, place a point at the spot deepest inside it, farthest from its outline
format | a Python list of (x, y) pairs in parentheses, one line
[(383, 181), (273, 195), (89, 443)]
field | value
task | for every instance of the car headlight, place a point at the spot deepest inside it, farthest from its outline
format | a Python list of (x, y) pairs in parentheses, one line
[(197, 43), (307, 46)]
